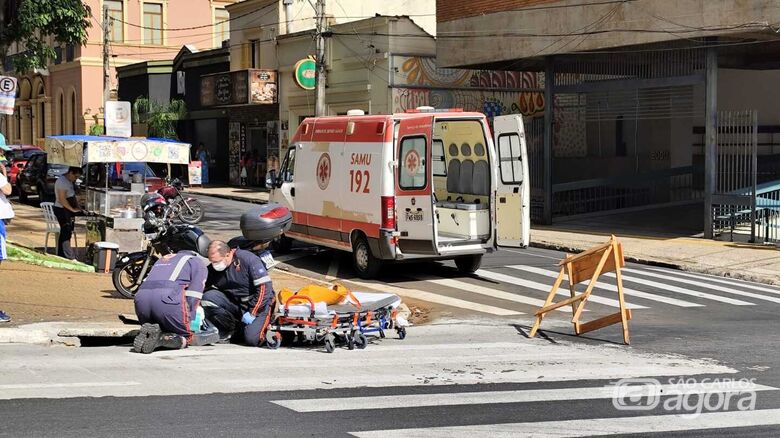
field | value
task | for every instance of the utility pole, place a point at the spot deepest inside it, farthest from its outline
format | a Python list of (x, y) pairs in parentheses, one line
[(321, 107), (106, 36)]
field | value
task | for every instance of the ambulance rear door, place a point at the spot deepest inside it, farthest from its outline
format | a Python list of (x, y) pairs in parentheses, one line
[(413, 185), (512, 199)]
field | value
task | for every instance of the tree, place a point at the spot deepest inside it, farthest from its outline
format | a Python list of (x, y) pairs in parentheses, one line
[(32, 23), (160, 119)]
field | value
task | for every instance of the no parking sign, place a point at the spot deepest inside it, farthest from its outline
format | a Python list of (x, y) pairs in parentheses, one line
[(7, 94)]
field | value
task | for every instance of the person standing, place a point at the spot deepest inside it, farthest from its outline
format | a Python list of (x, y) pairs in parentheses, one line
[(6, 213), (203, 157), (66, 208)]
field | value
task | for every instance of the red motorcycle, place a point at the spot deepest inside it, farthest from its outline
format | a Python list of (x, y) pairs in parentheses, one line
[(188, 210)]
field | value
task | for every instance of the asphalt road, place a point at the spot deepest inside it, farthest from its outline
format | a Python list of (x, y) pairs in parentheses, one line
[(500, 383)]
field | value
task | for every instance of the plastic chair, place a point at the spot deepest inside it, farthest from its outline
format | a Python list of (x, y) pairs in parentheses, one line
[(52, 225)]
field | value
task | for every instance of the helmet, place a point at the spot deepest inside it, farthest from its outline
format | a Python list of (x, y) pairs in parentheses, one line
[(153, 205)]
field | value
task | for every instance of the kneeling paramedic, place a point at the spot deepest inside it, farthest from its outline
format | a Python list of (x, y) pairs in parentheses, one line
[(167, 304), (239, 293)]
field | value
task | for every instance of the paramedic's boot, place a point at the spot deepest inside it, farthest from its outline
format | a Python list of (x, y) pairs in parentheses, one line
[(151, 338), (207, 336)]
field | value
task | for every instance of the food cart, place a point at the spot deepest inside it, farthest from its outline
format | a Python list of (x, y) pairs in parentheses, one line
[(113, 201)]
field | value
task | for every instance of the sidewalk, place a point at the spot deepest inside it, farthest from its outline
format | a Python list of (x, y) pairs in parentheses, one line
[(744, 261), (244, 194)]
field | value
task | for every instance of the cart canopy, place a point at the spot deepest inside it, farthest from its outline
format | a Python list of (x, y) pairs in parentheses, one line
[(78, 150)]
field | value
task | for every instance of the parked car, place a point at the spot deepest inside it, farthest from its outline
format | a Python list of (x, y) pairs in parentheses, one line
[(37, 178), (17, 159), (153, 182)]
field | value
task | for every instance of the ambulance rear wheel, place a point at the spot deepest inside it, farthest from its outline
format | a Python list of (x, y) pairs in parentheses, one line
[(366, 265), (468, 264)]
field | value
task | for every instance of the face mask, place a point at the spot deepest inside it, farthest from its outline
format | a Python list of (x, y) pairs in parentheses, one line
[(219, 266)]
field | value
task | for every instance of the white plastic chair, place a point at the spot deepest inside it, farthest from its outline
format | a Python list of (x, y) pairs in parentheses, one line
[(52, 225)]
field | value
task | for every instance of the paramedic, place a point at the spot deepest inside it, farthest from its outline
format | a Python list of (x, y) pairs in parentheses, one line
[(167, 304), (239, 293)]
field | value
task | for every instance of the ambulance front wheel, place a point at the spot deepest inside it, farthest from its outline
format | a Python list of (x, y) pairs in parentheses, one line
[(366, 265), (468, 264)]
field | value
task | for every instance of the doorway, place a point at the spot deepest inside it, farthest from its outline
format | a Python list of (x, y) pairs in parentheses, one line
[(256, 157)]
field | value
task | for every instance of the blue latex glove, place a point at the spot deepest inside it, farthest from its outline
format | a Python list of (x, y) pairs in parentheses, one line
[(196, 323), (248, 318)]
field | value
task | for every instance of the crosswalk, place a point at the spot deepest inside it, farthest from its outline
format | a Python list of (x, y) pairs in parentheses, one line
[(516, 289)]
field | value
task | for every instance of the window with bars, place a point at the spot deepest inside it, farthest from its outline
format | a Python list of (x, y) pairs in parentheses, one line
[(115, 18), (221, 26), (153, 31)]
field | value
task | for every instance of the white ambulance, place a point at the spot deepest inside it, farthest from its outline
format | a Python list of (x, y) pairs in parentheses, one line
[(426, 184)]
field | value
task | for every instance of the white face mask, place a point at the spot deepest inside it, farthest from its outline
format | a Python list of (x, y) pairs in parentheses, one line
[(219, 266)]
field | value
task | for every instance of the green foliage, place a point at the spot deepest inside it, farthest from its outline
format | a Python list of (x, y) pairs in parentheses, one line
[(160, 119), (96, 130), (36, 21)]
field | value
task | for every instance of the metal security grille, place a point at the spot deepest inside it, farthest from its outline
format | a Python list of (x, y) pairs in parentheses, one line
[(534, 138), (734, 207)]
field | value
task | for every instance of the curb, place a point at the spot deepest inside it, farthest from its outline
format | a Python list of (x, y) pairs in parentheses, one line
[(718, 272), (229, 197)]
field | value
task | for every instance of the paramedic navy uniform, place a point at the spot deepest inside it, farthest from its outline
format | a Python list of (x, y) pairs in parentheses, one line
[(171, 293), (240, 296)]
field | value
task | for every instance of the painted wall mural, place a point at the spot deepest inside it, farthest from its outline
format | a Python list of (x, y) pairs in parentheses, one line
[(494, 93)]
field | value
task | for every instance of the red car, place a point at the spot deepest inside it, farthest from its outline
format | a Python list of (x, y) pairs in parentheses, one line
[(17, 158)]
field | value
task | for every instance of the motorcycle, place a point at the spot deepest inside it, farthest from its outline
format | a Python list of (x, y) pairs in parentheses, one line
[(165, 237), (188, 210)]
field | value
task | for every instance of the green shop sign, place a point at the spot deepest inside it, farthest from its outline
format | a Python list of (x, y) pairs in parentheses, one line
[(306, 73)]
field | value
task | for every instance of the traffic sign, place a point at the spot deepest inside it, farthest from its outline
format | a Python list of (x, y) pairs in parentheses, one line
[(8, 86)]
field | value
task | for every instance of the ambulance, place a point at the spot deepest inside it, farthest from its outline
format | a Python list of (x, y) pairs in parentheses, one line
[(425, 184)]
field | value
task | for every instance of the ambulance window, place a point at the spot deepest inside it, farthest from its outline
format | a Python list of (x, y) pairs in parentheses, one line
[(412, 174), (438, 161), (288, 167), (509, 155)]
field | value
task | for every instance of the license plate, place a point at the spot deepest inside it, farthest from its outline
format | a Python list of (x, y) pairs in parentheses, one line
[(414, 216), (268, 260)]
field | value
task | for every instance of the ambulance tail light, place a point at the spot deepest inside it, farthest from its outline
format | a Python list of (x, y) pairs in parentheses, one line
[(388, 212)]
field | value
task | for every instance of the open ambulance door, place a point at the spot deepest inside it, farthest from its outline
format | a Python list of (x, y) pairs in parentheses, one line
[(513, 193), (413, 186)]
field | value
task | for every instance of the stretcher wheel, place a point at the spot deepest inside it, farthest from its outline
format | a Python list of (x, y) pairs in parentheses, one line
[(360, 341), (330, 344), (273, 339), (381, 333), (350, 341), (401, 332)]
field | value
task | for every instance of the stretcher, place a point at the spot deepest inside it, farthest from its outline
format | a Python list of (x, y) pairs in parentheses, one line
[(332, 316)]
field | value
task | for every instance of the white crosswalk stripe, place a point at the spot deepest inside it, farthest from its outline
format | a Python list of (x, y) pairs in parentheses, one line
[(546, 288), (710, 278), (439, 299), (703, 284), (498, 397), (593, 426), (613, 288), (486, 291), (679, 290)]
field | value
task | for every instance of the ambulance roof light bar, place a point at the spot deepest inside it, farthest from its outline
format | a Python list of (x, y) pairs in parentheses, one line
[(430, 109)]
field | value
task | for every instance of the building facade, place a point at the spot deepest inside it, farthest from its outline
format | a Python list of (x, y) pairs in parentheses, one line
[(66, 97), (643, 99)]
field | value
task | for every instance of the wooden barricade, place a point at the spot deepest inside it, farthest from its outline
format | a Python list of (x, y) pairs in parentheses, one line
[(586, 265)]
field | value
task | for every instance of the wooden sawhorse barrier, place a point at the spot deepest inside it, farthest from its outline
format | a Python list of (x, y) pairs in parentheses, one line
[(586, 265)]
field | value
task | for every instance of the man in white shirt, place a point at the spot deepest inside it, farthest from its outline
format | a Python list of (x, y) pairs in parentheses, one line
[(6, 213), (65, 208)]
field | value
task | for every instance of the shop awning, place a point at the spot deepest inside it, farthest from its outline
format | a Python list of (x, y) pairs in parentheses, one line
[(77, 150)]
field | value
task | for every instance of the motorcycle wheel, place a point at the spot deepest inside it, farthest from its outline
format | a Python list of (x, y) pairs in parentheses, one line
[(124, 279), (191, 212)]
